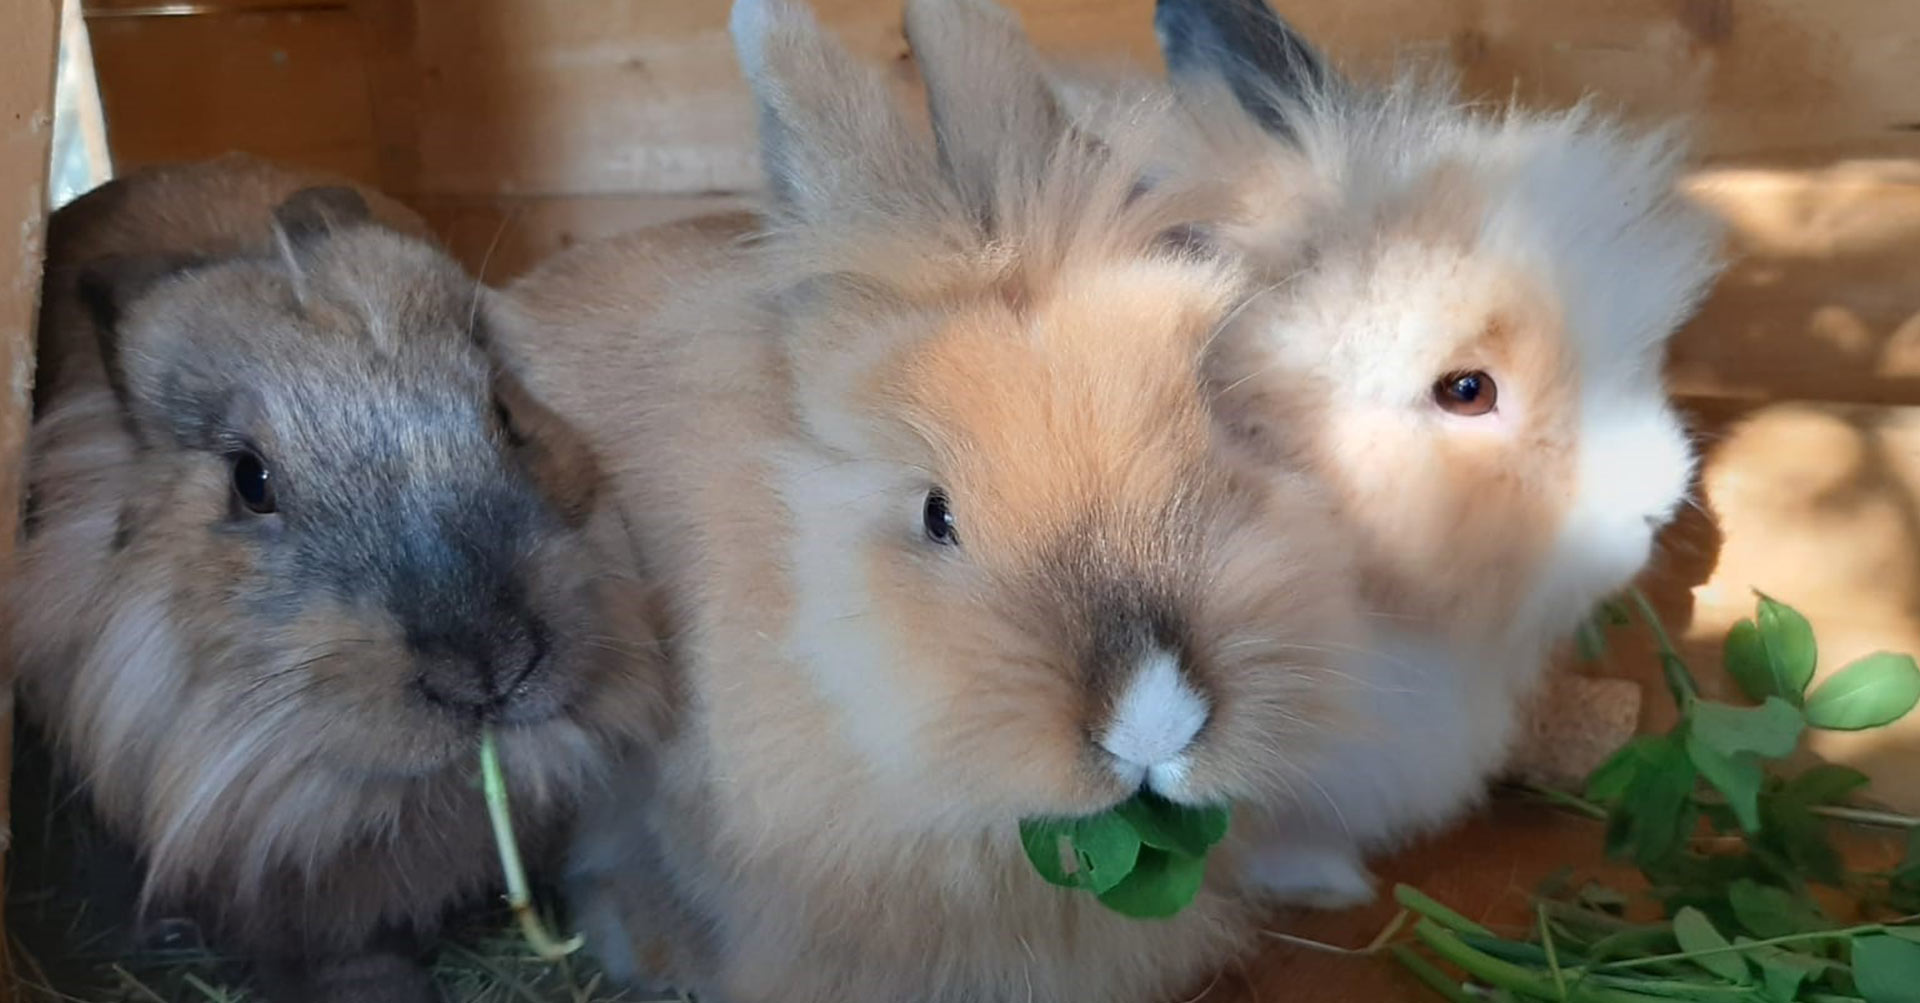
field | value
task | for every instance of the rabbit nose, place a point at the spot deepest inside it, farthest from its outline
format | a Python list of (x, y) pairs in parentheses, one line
[(1154, 723), (481, 675)]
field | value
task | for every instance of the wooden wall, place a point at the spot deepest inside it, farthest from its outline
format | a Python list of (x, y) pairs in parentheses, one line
[(593, 115), (547, 122), (27, 47)]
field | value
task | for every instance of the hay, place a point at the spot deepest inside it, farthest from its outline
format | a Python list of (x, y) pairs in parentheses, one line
[(486, 962), (72, 934)]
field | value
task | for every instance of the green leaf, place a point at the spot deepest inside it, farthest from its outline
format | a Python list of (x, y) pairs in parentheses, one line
[(1695, 932), (1767, 912), (1874, 691), (1771, 729), (1093, 853), (1655, 813), (1789, 828), (1826, 783), (1886, 969), (1739, 777), (1160, 885), (1611, 779), (1789, 642), (1745, 657), (1783, 972), (1164, 825)]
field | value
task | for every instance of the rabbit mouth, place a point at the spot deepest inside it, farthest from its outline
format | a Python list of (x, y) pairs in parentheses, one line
[(519, 704)]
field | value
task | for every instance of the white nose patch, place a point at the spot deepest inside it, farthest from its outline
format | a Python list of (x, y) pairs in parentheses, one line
[(1156, 718)]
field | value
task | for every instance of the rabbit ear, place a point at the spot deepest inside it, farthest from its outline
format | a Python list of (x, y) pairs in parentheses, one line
[(311, 212), (307, 216), (831, 137), (107, 286), (1243, 44), (995, 117)]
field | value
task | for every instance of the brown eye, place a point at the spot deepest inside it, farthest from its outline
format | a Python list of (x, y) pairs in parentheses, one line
[(1468, 394), (253, 483)]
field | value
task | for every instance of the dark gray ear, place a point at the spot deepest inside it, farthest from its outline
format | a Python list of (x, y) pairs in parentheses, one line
[(1245, 45), (106, 287), (310, 212)]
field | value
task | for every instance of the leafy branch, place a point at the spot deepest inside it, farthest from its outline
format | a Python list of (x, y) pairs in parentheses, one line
[(1732, 848)]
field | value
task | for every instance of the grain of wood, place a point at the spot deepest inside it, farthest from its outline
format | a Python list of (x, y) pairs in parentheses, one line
[(27, 55), (287, 85)]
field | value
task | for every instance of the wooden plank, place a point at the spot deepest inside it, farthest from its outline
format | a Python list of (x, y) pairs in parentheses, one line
[(189, 8), (621, 97), (388, 33), (27, 57), (286, 85), (501, 238)]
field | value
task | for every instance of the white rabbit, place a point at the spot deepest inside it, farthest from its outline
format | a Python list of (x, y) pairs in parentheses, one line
[(1459, 327)]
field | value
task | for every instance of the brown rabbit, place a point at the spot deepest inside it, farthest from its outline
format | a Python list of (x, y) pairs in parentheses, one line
[(294, 540), (929, 475)]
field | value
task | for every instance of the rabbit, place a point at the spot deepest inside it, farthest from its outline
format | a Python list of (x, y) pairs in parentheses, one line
[(1459, 326), (295, 538), (925, 469)]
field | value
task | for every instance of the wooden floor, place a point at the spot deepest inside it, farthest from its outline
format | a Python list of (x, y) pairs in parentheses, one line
[(1486, 869)]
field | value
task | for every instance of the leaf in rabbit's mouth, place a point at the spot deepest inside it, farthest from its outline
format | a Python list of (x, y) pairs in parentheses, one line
[(1143, 858)]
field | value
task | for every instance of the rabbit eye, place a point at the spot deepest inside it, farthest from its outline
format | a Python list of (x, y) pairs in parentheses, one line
[(1466, 393), (939, 519), (253, 483)]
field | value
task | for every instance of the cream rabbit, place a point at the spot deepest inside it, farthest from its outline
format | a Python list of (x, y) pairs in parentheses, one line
[(927, 473), (293, 540), (1459, 326)]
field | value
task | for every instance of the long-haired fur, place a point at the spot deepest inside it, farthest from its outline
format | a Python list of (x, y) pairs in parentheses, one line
[(258, 702), (1406, 240), (928, 471)]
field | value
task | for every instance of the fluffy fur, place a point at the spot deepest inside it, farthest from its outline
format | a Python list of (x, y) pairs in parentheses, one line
[(1403, 238), (279, 710), (1004, 321)]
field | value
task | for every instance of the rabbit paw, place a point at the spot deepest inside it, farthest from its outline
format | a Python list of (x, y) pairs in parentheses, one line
[(1318, 877)]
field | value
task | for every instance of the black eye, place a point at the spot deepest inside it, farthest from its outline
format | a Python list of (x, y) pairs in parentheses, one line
[(1466, 393), (253, 483), (939, 519)]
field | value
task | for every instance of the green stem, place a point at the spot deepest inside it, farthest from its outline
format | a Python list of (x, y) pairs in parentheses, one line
[(1511, 977), (1680, 680), (1652, 619), (1430, 975), (519, 899), (1418, 901), (1553, 955), (1791, 938), (1865, 816), (1563, 799), (1839, 813)]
